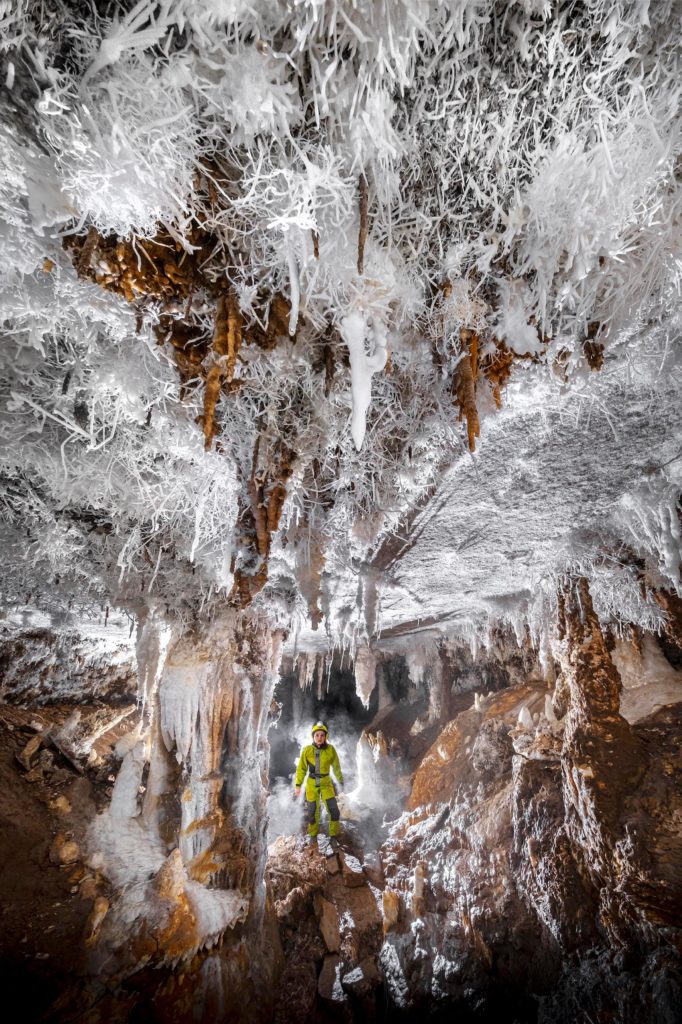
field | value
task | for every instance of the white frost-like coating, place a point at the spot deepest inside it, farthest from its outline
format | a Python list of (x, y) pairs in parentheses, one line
[(394, 975), (349, 172), (124, 850)]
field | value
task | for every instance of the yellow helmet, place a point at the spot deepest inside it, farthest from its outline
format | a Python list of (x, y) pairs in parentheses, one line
[(318, 726)]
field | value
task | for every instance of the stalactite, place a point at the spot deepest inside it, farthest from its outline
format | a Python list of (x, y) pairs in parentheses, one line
[(561, 615), (371, 600), (362, 233), (258, 508), (227, 339), (436, 690), (257, 664), (385, 698), (365, 673), (267, 491), (464, 385), (671, 604), (310, 579), (307, 664), (329, 366)]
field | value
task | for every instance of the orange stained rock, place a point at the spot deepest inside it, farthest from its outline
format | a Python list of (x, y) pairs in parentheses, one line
[(215, 819), (176, 933), (63, 850), (496, 369), (447, 760), (227, 340), (390, 905), (169, 881), (224, 857)]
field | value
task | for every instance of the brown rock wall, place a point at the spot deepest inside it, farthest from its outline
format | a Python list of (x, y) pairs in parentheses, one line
[(553, 854)]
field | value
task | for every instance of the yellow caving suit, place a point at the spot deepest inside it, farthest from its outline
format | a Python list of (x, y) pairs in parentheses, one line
[(318, 761)]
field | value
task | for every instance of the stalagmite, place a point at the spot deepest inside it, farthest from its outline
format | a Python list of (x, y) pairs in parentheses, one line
[(124, 798), (525, 718), (601, 756), (418, 882), (549, 710)]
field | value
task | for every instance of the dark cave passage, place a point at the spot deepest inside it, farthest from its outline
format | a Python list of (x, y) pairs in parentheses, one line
[(329, 694)]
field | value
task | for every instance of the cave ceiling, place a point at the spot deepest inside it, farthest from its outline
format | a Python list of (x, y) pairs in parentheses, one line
[(363, 318)]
